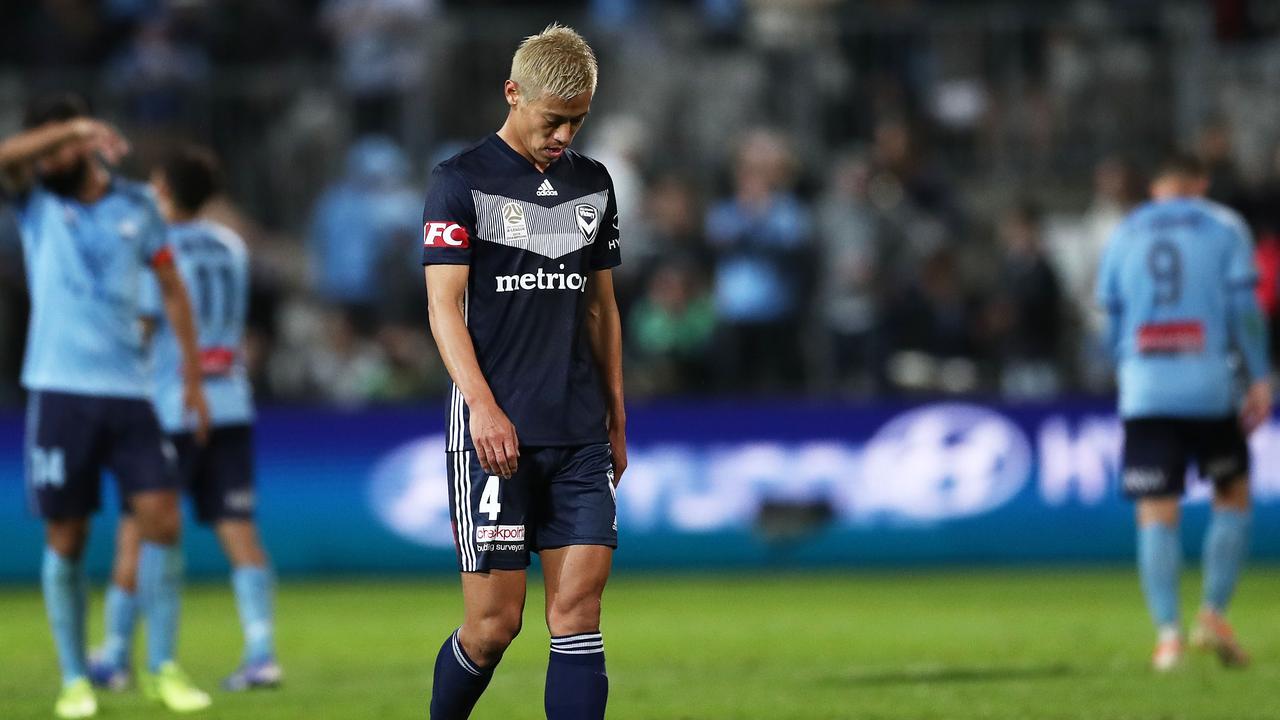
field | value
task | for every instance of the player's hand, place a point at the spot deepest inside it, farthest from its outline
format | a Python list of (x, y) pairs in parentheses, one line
[(1257, 406), (102, 139), (194, 402), (618, 447), (494, 437)]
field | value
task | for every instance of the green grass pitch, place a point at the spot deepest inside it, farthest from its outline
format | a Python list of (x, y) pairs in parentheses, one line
[(944, 645)]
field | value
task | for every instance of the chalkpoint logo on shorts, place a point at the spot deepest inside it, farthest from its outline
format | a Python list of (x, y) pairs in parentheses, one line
[(942, 462), (499, 534)]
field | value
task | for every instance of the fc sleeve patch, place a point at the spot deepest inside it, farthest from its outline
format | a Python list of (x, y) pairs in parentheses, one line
[(444, 234)]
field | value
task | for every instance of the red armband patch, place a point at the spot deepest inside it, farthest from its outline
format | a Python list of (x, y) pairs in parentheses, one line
[(445, 234), (163, 257)]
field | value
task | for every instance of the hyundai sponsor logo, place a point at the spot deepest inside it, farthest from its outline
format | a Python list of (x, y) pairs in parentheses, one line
[(922, 467), (944, 461), (407, 492)]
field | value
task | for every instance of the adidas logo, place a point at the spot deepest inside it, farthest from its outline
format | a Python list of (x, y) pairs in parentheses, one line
[(545, 189)]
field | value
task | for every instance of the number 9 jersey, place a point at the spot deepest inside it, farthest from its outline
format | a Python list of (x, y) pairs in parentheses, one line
[(1178, 281), (214, 265)]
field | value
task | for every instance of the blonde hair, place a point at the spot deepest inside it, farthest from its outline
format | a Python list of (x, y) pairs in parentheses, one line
[(557, 61)]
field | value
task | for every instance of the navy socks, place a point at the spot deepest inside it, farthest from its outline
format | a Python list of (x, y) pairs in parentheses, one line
[(577, 684)]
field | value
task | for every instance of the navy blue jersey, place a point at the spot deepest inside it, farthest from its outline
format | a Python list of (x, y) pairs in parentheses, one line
[(532, 240)]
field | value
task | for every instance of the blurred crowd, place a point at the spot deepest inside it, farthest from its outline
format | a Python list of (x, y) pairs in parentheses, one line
[(818, 198)]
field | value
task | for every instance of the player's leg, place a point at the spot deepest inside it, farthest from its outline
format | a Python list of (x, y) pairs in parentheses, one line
[(160, 569), (1160, 564), (1226, 543), (62, 475), (577, 684), (1154, 475), (66, 593), (253, 584), (221, 488), (493, 607), (576, 534), (1226, 461), (143, 462), (109, 664), (489, 515)]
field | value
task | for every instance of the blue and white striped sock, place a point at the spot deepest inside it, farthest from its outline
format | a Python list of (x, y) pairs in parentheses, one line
[(577, 683), (458, 682)]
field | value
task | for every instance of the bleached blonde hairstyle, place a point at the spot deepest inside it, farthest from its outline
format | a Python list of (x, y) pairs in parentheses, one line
[(556, 61)]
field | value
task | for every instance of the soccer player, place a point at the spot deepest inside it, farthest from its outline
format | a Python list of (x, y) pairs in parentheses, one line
[(88, 236), (519, 235), (214, 265), (1178, 281)]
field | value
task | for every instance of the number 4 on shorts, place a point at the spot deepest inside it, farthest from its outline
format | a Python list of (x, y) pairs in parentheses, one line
[(489, 502)]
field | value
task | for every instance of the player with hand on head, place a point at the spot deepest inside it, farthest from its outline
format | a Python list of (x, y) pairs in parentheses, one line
[(519, 237), (89, 237), (1178, 279), (218, 474)]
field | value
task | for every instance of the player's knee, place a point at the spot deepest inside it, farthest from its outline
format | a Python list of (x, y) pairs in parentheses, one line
[(250, 556), (571, 613), (1233, 495), (67, 539), (1159, 511), (240, 542), (162, 528), (492, 635), (124, 575)]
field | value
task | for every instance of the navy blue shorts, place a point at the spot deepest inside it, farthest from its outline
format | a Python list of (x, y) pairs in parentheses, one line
[(559, 496), (219, 475), (72, 438), (1157, 452)]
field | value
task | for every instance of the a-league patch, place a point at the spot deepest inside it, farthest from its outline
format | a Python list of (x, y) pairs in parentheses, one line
[(514, 226)]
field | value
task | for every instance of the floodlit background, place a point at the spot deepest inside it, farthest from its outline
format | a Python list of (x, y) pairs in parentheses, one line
[(859, 242)]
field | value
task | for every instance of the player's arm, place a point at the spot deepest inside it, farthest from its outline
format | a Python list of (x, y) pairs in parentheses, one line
[(494, 437), (18, 153), (1249, 328), (177, 309), (604, 329), (1107, 292)]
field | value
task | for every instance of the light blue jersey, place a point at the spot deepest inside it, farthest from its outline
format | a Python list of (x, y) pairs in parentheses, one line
[(1178, 280), (85, 264), (214, 266)]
